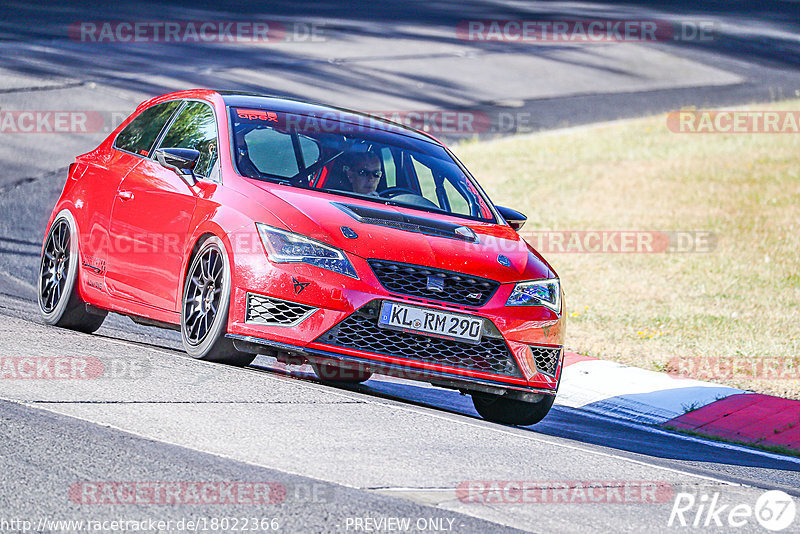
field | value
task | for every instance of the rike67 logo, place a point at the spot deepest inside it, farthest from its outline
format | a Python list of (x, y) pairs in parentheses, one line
[(774, 510)]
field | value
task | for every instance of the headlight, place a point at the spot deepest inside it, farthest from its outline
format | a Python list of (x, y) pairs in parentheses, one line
[(288, 247), (537, 293)]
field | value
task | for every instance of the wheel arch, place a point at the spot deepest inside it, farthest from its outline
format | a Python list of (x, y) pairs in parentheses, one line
[(70, 308), (194, 247), (65, 209)]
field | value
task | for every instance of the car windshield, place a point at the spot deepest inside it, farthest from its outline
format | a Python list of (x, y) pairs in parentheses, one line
[(357, 160)]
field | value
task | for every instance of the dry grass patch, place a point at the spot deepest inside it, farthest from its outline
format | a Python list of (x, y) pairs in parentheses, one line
[(742, 299)]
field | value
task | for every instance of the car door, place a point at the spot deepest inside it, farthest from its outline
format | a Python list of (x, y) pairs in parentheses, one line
[(152, 213), (100, 180)]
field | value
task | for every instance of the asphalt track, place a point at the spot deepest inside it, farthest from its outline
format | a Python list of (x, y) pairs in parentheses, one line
[(387, 449)]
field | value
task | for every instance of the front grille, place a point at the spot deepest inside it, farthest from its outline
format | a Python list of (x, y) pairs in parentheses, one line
[(271, 311), (360, 331), (546, 359), (413, 280)]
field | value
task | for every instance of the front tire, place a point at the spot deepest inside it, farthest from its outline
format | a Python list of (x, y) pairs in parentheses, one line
[(60, 302), (500, 409), (205, 305)]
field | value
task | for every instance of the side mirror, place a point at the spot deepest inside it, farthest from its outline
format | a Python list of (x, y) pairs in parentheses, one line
[(181, 161), (514, 218)]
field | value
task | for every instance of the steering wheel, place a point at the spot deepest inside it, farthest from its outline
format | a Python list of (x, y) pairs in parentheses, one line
[(391, 192)]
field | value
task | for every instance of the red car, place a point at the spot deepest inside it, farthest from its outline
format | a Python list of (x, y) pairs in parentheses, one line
[(262, 225)]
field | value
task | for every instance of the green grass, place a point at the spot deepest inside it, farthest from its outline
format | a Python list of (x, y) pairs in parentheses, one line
[(646, 309)]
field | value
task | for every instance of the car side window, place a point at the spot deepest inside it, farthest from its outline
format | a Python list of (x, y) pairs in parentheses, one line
[(195, 127), (138, 136), (272, 152), (458, 203), (310, 150), (425, 179), (449, 198), (389, 168)]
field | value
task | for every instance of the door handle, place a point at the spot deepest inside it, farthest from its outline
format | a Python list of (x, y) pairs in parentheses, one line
[(125, 195)]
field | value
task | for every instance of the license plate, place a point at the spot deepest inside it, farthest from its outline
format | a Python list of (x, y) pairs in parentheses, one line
[(431, 322)]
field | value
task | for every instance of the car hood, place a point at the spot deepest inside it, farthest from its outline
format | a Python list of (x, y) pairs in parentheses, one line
[(406, 235)]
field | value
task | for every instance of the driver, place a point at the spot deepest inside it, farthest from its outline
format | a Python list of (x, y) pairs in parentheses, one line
[(363, 171)]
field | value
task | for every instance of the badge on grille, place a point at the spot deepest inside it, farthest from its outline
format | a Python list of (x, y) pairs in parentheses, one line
[(298, 285), (435, 283)]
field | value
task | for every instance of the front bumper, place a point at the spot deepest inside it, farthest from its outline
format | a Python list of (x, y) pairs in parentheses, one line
[(439, 377), (315, 309)]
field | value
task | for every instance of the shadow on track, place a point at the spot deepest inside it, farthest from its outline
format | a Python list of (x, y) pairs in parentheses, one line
[(566, 423)]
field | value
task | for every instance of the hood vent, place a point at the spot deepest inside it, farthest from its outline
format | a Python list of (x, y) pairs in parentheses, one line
[(408, 223)]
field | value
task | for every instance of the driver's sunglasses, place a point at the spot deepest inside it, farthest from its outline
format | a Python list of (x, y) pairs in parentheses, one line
[(371, 174)]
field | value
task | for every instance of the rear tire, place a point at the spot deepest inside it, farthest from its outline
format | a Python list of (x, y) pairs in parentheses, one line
[(60, 302), (205, 305), (500, 409), (333, 374)]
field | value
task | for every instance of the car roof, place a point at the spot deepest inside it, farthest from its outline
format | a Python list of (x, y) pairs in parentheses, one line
[(302, 107)]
